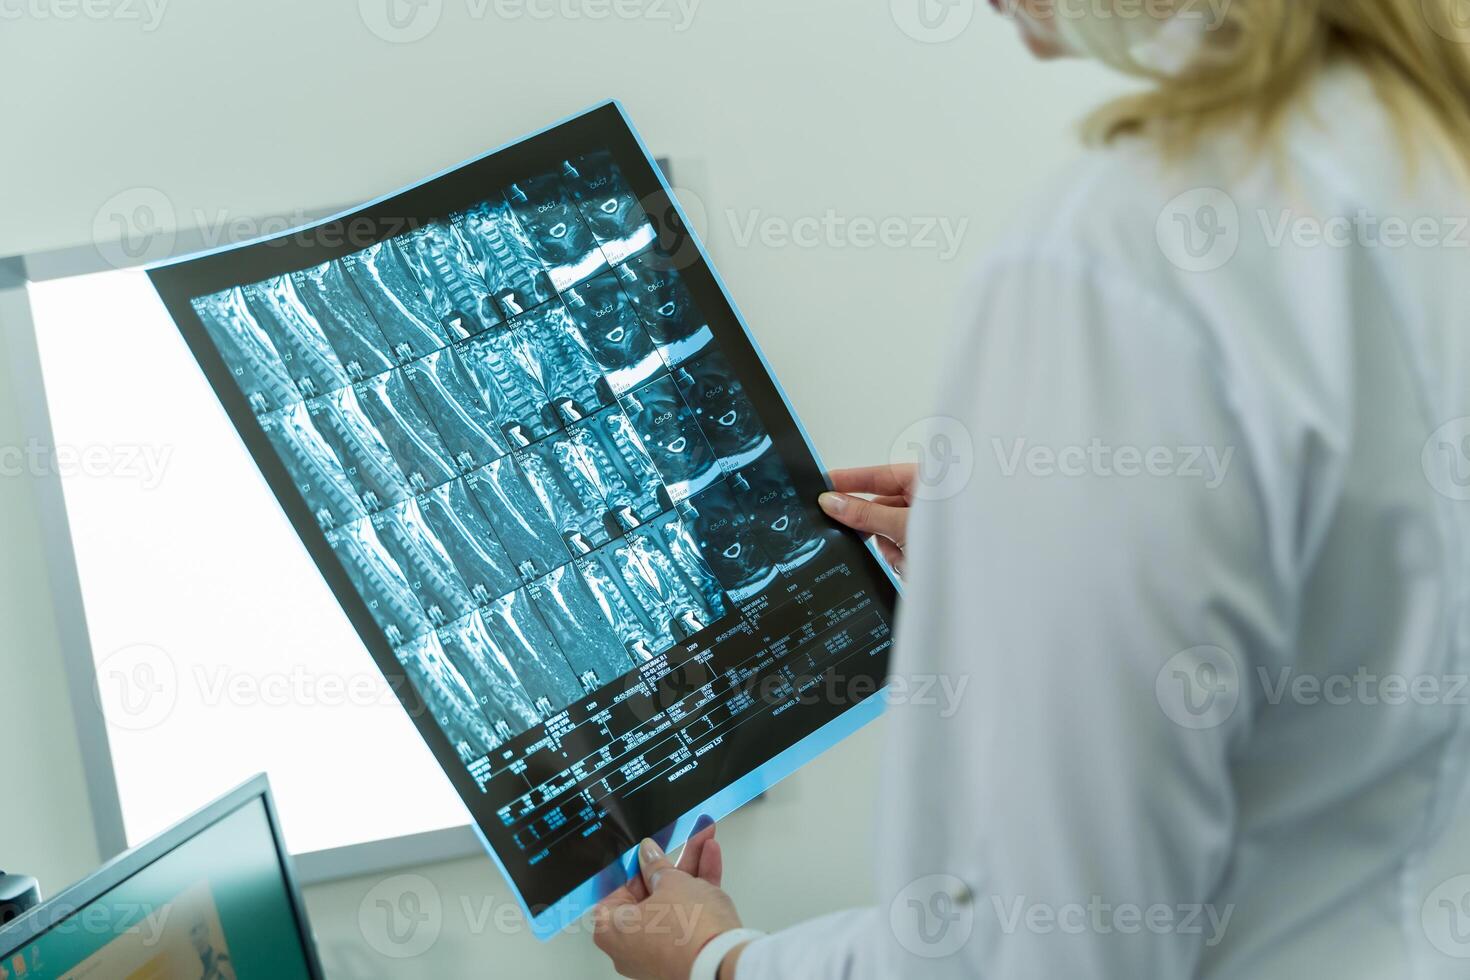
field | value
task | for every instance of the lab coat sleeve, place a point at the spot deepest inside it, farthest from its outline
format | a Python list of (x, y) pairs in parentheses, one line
[(1094, 578)]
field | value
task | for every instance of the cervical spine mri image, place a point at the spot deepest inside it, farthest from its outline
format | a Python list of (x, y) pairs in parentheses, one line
[(523, 444)]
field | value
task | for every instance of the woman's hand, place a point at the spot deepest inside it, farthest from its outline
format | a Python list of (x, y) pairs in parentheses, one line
[(886, 515), (654, 926)]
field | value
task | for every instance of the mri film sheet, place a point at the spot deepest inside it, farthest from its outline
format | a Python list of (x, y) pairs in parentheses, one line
[(518, 424)]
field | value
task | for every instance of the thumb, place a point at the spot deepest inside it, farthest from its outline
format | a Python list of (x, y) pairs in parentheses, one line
[(653, 863)]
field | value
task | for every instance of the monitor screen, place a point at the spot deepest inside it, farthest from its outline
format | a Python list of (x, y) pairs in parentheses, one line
[(211, 901), (517, 421)]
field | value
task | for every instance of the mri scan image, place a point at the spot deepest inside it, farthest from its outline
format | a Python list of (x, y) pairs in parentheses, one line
[(613, 332), (670, 594), (394, 410), (607, 204), (583, 627), (768, 495), (667, 309), (536, 468), (558, 232), (492, 678), (471, 542), (309, 358), (671, 433), (725, 536), (385, 280), (425, 563), (247, 351), (338, 309), (516, 629), (713, 392), (446, 693), (365, 458), (452, 283), (315, 469), (529, 536), (594, 481), (467, 425), (380, 581), (508, 263)]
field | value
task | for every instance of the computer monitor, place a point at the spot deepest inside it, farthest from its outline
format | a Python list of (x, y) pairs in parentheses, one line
[(211, 899)]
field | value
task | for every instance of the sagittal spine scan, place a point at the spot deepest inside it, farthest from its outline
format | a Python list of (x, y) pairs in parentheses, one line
[(528, 454)]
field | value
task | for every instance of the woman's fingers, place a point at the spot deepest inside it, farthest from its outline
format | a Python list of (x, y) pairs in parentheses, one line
[(867, 516), (888, 481), (653, 864), (692, 856), (712, 864), (891, 554)]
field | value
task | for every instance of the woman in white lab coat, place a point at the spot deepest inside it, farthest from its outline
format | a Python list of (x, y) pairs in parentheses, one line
[(1209, 579)]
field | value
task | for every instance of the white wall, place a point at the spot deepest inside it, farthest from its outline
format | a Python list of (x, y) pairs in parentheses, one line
[(770, 110)]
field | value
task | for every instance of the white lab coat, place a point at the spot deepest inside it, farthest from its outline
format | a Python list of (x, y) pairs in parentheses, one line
[(1208, 482)]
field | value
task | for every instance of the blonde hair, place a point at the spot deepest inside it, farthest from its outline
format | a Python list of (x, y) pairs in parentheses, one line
[(1249, 60)]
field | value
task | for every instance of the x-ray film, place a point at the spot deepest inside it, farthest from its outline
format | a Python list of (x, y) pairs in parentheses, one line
[(537, 456)]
